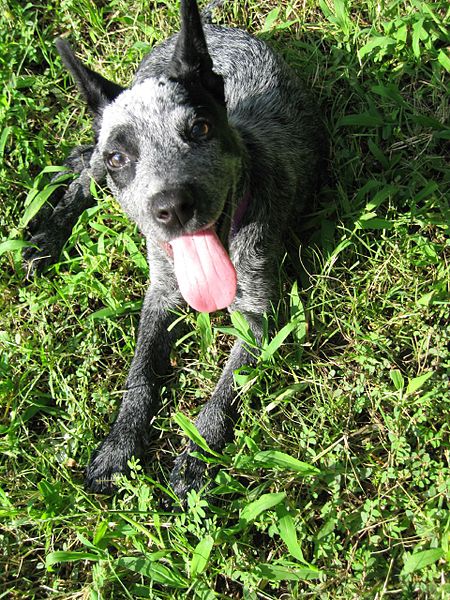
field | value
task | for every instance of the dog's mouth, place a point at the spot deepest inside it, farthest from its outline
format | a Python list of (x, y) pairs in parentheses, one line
[(206, 276)]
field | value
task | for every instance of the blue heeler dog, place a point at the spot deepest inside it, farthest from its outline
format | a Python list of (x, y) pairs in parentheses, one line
[(213, 151)]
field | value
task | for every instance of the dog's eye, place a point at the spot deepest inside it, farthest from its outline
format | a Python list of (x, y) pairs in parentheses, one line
[(117, 160), (200, 130)]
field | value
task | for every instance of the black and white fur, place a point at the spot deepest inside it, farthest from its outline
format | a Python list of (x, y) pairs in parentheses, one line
[(215, 121)]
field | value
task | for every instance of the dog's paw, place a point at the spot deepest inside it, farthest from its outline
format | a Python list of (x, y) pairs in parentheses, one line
[(45, 251), (108, 461), (188, 473)]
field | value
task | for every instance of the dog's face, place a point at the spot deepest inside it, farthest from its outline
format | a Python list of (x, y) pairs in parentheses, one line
[(165, 148), (166, 142), (172, 160)]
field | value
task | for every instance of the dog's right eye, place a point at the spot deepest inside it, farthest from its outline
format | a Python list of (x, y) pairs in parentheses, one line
[(117, 160)]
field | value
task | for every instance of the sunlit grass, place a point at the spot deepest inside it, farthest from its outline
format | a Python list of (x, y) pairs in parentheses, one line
[(358, 390)]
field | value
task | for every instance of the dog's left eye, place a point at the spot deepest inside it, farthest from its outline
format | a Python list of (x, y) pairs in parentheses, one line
[(117, 160), (200, 130)]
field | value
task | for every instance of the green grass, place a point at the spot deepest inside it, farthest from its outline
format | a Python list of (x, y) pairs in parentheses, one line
[(358, 390)]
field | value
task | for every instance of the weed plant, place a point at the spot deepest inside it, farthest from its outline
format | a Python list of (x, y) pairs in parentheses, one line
[(337, 483)]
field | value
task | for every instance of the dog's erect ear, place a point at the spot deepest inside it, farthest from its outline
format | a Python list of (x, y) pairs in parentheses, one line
[(97, 90), (191, 62)]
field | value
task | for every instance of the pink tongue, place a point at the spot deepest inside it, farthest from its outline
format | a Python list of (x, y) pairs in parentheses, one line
[(205, 274)]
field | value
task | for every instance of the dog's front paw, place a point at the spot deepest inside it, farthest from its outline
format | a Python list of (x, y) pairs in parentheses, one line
[(44, 252), (188, 473), (109, 460)]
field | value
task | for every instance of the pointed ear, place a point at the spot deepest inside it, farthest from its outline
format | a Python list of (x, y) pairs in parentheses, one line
[(191, 62), (97, 90)]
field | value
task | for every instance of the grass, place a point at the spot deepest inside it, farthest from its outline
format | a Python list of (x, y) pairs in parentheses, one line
[(337, 484)]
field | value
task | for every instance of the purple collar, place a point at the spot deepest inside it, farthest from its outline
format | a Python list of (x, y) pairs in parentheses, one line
[(239, 214)]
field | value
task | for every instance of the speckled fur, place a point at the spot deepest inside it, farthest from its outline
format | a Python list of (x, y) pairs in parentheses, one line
[(269, 146)]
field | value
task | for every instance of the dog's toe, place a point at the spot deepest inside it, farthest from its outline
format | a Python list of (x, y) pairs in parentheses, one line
[(106, 463), (44, 252), (187, 474), (99, 483), (100, 478)]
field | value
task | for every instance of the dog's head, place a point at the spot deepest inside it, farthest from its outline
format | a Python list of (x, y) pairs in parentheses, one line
[(172, 159), (173, 162)]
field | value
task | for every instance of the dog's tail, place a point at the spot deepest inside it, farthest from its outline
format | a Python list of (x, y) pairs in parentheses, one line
[(207, 13)]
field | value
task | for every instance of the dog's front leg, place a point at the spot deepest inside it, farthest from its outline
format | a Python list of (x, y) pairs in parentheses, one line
[(218, 417), (151, 362)]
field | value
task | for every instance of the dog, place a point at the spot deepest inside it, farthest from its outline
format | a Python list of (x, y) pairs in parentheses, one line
[(214, 151)]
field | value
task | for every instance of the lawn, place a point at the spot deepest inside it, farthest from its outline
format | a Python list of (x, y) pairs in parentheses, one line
[(337, 485)]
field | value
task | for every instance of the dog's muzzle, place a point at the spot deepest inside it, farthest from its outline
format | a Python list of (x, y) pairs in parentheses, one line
[(173, 209)]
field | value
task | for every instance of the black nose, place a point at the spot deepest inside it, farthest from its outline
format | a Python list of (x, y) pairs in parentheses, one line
[(172, 208)]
